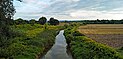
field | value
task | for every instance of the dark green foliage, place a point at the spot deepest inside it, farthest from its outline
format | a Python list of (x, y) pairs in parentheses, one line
[(121, 48), (69, 38), (66, 26), (53, 21), (32, 22), (6, 9), (28, 45), (102, 21), (77, 33), (85, 48), (6, 12), (20, 21), (42, 20), (6, 33)]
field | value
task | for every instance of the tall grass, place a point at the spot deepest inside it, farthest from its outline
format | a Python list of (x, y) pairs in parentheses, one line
[(31, 42)]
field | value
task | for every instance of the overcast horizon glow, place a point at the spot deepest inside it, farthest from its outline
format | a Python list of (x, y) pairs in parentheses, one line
[(69, 9)]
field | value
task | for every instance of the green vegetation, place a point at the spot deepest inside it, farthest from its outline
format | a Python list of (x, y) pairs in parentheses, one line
[(85, 48), (53, 21), (22, 39), (29, 41), (42, 20), (32, 22), (104, 21)]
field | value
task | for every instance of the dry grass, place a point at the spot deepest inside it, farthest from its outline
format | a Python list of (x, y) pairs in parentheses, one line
[(109, 34), (62, 24), (102, 29)]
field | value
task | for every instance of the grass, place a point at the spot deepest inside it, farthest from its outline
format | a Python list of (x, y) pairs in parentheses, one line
[(30, 41), (109, 34), (83, 47), (102, 29)]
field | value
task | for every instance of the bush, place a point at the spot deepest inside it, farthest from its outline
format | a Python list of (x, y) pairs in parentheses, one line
[(69, 38), (121, 48), (85, 48), (31, 41), (77, 33)]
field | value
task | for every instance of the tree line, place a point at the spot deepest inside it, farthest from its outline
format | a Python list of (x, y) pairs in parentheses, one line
[(42, 21), (98, 21), (102, 21), (7, 11)]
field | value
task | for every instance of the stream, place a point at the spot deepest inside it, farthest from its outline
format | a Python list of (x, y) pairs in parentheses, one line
[(59, 49)]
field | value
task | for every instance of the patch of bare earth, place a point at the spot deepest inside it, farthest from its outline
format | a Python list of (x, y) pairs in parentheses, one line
[(109, 34), (113, 40)]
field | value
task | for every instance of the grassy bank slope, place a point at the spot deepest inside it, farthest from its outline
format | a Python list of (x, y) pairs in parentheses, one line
[(29, 41), (85, 48)]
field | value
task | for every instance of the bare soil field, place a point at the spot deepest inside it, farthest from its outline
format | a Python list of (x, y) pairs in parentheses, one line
[(109, 34)]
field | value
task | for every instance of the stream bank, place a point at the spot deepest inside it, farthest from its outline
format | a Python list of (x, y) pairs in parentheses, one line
[(59, 49)]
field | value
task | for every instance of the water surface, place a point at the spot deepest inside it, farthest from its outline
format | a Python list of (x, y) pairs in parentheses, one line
[(58, 51)]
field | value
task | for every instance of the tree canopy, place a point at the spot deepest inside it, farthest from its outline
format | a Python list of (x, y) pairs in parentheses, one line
[(42, 20), (6, 13), (32, 22), (53, 21)]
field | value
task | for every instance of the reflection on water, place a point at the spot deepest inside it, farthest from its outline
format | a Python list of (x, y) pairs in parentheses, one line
[(58, 51)]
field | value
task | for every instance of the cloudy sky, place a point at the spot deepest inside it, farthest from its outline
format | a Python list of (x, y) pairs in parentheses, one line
[(69, 9)]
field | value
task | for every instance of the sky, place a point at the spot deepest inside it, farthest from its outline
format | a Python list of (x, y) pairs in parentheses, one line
[(69, 9)]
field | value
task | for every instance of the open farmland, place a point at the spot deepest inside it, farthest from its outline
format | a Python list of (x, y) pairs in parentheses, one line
[(109, 34)]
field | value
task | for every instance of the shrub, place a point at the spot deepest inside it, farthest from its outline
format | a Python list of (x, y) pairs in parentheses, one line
[(85, 48), (77, 33), (29, 41)]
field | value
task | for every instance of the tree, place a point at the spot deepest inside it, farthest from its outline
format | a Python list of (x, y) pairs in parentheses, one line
[(6, 13), (32, 22), (25, 22), (53, 21), (42, 20), (19, 21)]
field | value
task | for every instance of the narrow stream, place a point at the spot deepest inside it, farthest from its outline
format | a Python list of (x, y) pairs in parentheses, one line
[(59, 49)]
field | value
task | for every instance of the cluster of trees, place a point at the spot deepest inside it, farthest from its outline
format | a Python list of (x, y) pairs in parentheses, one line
[(7, 12), (6, 34), (98, 21), (42, 21), (102, 21)]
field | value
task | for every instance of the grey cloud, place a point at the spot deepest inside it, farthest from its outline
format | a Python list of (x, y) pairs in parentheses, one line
[(65, 7)]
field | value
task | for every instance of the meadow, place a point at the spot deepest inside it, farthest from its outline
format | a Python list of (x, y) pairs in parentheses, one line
[(109, 34)]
